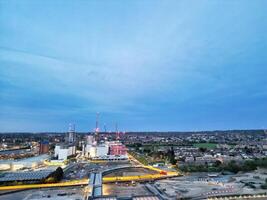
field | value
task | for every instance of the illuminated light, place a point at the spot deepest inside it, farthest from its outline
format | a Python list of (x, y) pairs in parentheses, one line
[(85, 181)]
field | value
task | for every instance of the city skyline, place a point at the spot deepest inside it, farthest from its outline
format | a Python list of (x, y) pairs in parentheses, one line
[(146, 65)]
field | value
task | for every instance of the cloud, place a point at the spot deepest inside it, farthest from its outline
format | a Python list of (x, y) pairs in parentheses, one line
[(145, 64)]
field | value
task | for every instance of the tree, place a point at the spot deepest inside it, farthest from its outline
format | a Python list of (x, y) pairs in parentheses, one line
[(55, 176), (233, 167), (202, 149), (249, 166), (217, 163), (171, 156)]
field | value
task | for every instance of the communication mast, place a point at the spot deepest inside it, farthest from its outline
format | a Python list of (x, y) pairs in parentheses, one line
[(117, 132), (105, 127)]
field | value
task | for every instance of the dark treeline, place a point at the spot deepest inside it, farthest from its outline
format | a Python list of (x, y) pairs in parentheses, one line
[(232, 166)]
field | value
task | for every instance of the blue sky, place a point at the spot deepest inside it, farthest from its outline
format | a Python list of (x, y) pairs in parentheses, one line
[(148, 65)]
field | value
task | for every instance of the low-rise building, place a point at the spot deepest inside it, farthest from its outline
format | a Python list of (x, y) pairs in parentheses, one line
[(62, 152)]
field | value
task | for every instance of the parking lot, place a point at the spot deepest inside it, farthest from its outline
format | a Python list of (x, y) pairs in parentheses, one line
[(82, 170)]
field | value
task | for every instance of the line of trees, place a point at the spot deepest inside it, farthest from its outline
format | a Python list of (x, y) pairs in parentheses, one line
[(232, 166), (264, 186)]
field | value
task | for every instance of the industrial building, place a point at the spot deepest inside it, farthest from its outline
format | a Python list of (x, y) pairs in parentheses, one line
[(117, 148), (62, 151), (93, 150), (43, 147), (90, 139), (109, 151)]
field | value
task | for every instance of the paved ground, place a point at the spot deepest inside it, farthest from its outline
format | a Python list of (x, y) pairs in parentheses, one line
[(82, 170), (125, 190), (131, 172), (201, 186)]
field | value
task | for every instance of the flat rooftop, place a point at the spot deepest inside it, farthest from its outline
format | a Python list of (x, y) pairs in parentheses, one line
[(23, 176)]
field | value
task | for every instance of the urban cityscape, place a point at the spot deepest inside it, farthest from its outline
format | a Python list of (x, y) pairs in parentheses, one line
[(134, 165), (133, 100)]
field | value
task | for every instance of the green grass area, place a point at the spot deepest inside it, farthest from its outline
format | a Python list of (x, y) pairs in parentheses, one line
[(205, 145), (139, 157), (231, 145)]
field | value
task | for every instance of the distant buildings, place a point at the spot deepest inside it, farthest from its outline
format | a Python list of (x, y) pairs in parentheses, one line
[(116, 148), (99, 151), (62, 151), (90, 139), (91, 148), (43, 147), (71, 136), (65, 150)]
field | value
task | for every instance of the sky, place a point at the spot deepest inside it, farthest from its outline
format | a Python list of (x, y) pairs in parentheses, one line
[(147, 65)]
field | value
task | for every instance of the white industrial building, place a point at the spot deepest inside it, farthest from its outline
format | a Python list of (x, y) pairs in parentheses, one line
[(62, 152), (102, 150), (92, 150), (90, 139)]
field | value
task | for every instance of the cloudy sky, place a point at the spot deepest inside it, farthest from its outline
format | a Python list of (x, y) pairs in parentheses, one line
[(147, 65)]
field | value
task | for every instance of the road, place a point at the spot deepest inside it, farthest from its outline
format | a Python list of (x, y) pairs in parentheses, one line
[(147, 177)]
